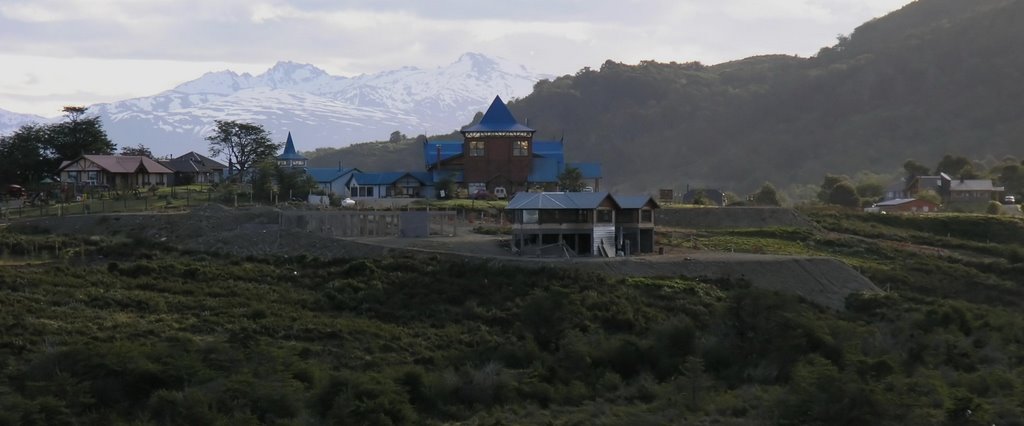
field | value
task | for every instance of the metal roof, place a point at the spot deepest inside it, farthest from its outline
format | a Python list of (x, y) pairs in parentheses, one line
[(895, 202), (449, 150), (634, 201), (973, 185), (388, 178), (289, 150), (544, 170), (498, 119), (193, 162), (122, 163), (557, 200), (588, 170), (329, 174)]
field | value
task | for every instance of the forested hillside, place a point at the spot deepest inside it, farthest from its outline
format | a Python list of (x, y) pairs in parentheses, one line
[(936, 77)]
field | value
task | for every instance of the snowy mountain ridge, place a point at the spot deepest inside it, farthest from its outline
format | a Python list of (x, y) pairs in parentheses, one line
[(319, 109)]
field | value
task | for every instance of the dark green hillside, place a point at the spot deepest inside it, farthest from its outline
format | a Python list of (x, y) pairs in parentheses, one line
[(936, 77), (114, 331)]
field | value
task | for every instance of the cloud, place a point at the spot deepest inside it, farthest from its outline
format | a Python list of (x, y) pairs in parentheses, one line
[(365, 36)]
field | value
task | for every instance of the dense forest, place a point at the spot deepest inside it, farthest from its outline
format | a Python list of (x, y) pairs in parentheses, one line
[(936, 77), (110, 330)]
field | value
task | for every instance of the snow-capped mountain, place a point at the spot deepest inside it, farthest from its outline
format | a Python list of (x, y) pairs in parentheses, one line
[(11, 121), (317, 108)]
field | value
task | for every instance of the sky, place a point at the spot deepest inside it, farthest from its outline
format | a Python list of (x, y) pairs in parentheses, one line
[(79, 52)]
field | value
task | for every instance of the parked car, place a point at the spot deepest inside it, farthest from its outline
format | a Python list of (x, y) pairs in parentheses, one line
[(15, 191), (483, 195), (588, 189), (1009, 199), (500, 192)]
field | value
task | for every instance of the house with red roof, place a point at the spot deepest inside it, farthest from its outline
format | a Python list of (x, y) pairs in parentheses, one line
[(121, 172)]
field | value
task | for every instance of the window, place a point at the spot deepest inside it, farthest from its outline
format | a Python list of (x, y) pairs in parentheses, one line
[(520, 148), (530, 216), (604, 216), (647, 216), (92, 176), (476, 149), (362, 191)]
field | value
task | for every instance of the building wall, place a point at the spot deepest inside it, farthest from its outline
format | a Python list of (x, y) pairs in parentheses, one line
[(497, 160)]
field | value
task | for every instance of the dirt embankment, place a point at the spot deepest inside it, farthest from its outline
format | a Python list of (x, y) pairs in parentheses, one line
[(257, 231), (730, 217)]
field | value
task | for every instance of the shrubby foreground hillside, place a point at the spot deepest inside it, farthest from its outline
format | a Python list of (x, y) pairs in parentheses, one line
[(172, 337)]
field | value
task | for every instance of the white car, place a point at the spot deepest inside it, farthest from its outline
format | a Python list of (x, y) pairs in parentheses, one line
[(348, 203), (1009, 199)]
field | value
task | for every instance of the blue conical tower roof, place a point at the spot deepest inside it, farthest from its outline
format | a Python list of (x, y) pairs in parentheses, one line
[(498, 119), (289, 151)]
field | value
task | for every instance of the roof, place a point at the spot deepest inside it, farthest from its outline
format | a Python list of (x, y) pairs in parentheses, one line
[(329, 174), (898, 201), (122, 163), (289, 150), (973, 185), (449, 150), (544, 170), (388, 178), (193, 162), (497, 119), (557, 200), (588, 170), (634, 201)]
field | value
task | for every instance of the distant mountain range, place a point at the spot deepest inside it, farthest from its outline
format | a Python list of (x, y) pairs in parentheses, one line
[(318, 108), (935, 77), (11, 121)]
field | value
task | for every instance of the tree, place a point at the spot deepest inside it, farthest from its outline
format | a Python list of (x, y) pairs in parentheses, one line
[(243, 144), (1012, 178), (701, 199), (872, 190), (23, 156), (915, 169), (929, 195), (571, 179), (844, 194), (994, 208), (77, 135), (826, 187), (767, 196), (954, 166), (396, 137), (137, 151)]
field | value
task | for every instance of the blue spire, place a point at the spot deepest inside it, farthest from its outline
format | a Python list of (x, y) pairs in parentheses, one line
[(289, 151), (498, 119)]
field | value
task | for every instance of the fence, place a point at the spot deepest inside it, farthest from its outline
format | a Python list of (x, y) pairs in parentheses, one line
[(125, 204), (372, 223)]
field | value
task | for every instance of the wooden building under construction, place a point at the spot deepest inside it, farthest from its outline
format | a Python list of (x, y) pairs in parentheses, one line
[(582, 223)]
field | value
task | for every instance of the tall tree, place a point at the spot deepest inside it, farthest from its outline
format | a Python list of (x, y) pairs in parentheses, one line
[(915, 169), (844, 194), (139, 151), (23, 157), (78, 134), (767, 196), (826, 186), (571, 179), (243, 144)]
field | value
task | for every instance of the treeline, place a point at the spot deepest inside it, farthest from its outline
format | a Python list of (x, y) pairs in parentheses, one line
[(938, 76), (35, 151)]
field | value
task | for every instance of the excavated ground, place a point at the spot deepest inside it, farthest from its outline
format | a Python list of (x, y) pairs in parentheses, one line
[(256, 231)]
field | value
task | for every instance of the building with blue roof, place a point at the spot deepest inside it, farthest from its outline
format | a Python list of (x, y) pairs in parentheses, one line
[(501, 152), (289, 157), (390, 184)]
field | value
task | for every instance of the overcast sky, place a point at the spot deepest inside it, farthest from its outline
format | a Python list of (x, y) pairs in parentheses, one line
[(61, 52)]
